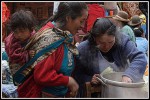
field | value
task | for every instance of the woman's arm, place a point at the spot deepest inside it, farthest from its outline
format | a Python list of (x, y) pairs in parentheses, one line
[(137, 60), (46, 71)]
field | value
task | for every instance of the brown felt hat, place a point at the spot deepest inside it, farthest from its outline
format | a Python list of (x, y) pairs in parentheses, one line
[(122, 16), (135, 20)]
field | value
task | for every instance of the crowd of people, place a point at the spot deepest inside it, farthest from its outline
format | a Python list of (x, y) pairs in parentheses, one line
[(46, 63)]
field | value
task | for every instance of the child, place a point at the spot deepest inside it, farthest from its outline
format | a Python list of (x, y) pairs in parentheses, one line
[(22, 25), (141, 41)]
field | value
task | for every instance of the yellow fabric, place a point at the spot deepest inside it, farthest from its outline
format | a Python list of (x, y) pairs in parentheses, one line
[(146, 71), (143, 17)]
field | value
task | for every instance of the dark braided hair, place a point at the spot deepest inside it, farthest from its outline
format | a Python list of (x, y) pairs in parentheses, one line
[(73, 9), (100, 27), (138, 32)]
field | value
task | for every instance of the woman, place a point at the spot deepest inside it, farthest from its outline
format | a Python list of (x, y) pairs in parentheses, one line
[(51, 71), (121, 20), (141, 41), (135, 22), (108, 48)]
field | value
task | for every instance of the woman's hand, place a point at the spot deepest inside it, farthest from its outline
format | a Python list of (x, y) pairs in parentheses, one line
[(126, 79), (94, 80), (31, 53), (73, 87)]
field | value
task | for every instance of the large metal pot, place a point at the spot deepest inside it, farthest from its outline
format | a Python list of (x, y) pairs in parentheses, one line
[(113, 87)]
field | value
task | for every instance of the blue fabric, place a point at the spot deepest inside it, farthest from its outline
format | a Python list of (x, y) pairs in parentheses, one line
[(60, 91), (143, 26), (67, 69), (54, 23), (106, 13), (88, 62), (142, 45), (4, 56), (10, 90)]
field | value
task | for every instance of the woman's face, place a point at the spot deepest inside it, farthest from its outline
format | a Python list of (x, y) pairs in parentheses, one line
[(77, 24), (105, 42), (22, 34)]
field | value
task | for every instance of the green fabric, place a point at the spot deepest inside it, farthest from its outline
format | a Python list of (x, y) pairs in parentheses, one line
[(4, 56), (128, 31)]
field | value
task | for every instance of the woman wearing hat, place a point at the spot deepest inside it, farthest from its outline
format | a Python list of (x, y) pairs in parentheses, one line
[(121, 20), (142, 43), (135, 21)]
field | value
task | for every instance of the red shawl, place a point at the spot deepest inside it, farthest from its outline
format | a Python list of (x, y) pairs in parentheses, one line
[(15, 51)]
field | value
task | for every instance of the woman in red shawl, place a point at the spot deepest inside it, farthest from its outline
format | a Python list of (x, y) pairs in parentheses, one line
[(49, 72)]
